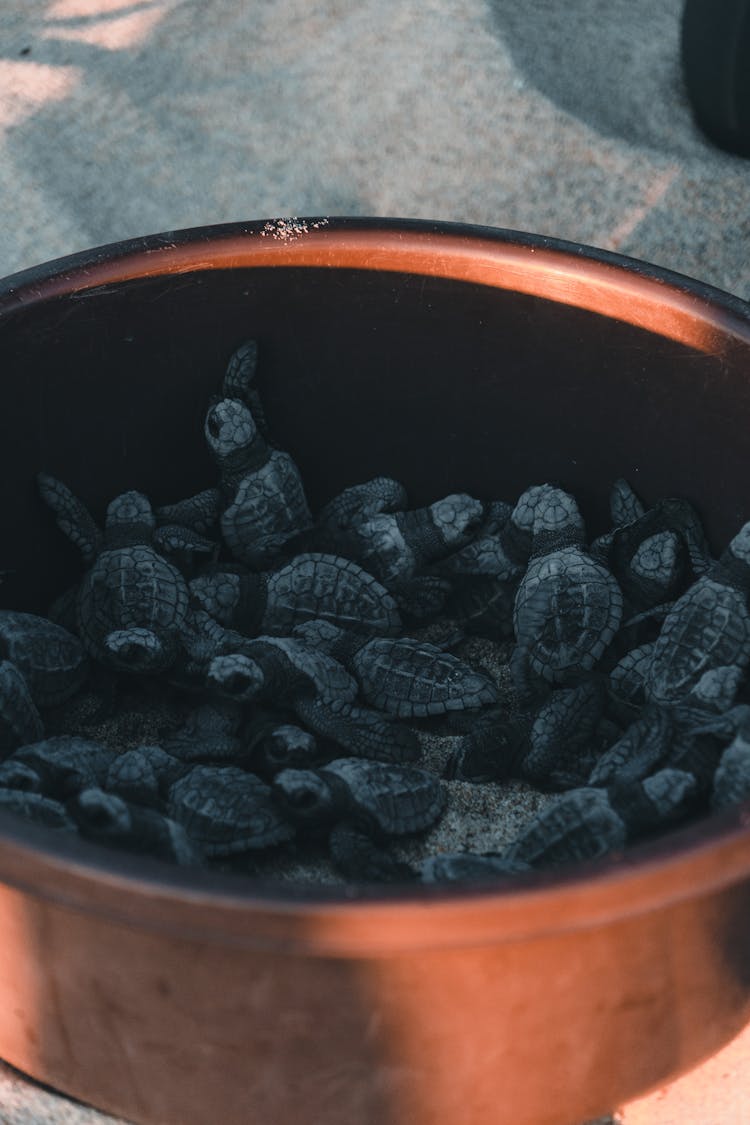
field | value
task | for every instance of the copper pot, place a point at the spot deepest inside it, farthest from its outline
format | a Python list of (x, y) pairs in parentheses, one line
[(453, 358)]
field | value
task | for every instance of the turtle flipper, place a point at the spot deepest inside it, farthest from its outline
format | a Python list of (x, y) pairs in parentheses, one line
[(199, 513), (356, 855), (239, 380), (72, 516), (172, 538), (362, 732)]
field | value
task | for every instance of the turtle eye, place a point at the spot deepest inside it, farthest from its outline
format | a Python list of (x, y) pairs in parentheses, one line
[(303, 798)]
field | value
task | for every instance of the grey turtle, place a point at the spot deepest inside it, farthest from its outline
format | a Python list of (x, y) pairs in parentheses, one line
[(590, 822), (311, 586), (395, 546), (362, 803), (132, 601), (657, 555), (402, 676), (288, 673), (226, 810), (105, 818), (550, 746), (707, 627), (263, 500), (144, 775), (568, 607), (50, 658), (688, 734), (57, 766), (36, 807)]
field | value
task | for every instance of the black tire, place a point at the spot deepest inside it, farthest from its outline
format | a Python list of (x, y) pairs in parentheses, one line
[(716, 64)]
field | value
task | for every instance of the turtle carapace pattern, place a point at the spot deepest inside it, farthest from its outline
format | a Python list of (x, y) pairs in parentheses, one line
[(132, 601), (311, 586)]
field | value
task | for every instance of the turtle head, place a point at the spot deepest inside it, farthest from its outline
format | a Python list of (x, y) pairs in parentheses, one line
[(304, 796), (99, 814), (288, 745), (237, 676), (129, 514), (456, 516), (229, 427)]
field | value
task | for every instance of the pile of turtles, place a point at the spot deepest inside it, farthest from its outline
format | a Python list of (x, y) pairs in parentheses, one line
[(297, 646)]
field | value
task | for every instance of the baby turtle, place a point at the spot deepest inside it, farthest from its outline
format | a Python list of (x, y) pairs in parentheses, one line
[(225, 810), (50, 658), (361, 801), (708, 627), (57, 766), (310, 586), (402, 676), (590, 822), (105, 818), (131, 602), (549, 746), (568, 607), (289, 673), (263, 500)]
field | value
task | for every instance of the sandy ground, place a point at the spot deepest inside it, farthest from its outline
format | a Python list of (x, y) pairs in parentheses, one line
[(122, 118)]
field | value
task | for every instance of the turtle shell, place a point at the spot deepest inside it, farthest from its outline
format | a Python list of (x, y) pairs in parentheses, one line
[(567, 611), (225, 810), (581, 825), (329, 678), (329, 588), (414, 679), (268, 507), (131, 588), (51, 659), (394, 799), (708, 627)]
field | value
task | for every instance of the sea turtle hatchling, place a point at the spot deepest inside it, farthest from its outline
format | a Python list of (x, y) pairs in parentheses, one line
[(131, 601), (288, 673), (310, 586), (590, 822), (361, 803), (50, 658), (402, 676), (568, 607), (707, 627), (57, 766), (263, 500), (105, 818), (226, 810)]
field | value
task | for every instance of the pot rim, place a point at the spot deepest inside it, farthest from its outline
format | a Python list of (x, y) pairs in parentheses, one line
[(236, 909)]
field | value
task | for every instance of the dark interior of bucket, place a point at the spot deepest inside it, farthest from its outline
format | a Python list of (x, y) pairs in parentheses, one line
[(448, 386)]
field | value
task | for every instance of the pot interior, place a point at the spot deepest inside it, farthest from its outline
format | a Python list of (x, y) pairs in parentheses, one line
[(445, 384)]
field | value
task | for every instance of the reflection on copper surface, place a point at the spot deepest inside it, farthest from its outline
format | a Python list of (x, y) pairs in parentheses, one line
[(582, 282)]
